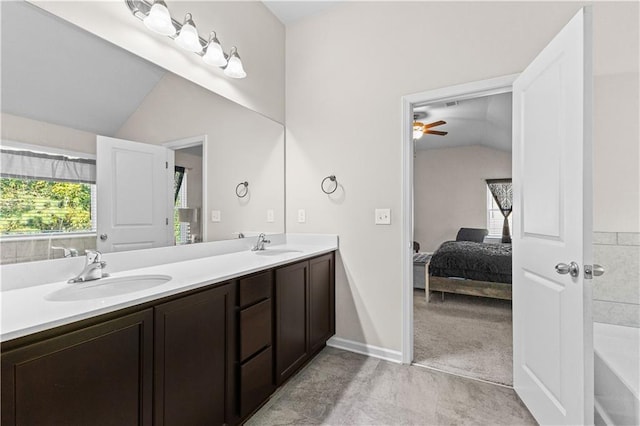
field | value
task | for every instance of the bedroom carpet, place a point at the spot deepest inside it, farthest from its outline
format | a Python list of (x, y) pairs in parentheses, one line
[(465, 335)]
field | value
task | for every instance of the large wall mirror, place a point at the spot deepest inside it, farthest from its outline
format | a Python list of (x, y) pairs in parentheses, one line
[(69, 98)]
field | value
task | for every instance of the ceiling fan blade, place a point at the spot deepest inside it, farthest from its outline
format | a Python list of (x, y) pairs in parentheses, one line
[(434, 124), (435, 132)]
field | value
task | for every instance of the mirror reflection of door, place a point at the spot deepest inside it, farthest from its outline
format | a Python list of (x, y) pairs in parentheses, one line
[(135, 205)]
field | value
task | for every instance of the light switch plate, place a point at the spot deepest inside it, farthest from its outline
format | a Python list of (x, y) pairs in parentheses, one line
[(271, 216), (383, 217), (302, 216), (215, 215)]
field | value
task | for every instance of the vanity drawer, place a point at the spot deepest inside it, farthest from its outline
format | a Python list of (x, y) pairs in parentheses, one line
[(256, 377), (255, 288), (255, 329)]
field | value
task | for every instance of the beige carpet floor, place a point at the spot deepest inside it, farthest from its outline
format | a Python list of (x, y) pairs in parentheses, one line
[(465, 335)]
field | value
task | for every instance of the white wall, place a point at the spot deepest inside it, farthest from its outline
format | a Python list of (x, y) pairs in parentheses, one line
[(242, 146), (21, 129), (616, 187), (346, 70), (249, 25), (450, 190)]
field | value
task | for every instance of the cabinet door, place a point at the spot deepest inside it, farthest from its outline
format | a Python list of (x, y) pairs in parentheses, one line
[(291, 319), (99, 375), (321, 301), (194, 353)]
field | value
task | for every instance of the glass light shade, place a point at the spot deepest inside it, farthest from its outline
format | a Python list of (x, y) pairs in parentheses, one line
[(188, 38), (234, 68), (159, 19), (417, 132), (214, 55)]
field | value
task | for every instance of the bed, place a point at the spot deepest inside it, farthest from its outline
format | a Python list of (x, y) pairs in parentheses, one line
[(472, 268)]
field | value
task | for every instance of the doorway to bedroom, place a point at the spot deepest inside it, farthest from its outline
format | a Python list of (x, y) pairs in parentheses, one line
[(462, 314)]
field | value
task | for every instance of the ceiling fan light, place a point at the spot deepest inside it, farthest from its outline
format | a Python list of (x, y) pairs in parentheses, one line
[(214, 55), (188, 38), (159, 20), (234, 67), (418, 130)]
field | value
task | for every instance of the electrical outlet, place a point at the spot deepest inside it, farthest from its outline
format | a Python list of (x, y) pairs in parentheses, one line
[(215, 215), (383, 217), (271, 216), (302, 216)]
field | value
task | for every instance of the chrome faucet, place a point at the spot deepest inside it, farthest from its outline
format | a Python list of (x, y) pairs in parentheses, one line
[(260, 243), (92, 268)]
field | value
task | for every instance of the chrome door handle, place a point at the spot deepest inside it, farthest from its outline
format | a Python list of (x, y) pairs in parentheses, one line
[(598, 270), (103, 237), (594, 270), (572, 269)]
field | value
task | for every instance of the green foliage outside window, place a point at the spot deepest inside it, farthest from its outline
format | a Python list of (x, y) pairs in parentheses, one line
[(39, 206)]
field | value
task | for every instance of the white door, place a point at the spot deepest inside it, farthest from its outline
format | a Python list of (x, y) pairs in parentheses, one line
[(552, 325), (135, 195)]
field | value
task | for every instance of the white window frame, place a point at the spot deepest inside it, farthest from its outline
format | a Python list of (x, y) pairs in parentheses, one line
[(56, 151)]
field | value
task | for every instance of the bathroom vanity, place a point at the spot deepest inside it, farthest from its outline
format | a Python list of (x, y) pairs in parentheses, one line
[(205, 353)]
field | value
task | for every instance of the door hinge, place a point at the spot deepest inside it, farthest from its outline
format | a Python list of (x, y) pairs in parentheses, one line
[(166, 164), (166, 221)]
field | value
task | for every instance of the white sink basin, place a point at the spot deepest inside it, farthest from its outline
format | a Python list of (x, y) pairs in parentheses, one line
[(275, 252), (107, 287)]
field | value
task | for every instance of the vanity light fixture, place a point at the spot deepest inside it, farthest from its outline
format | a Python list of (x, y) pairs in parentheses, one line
[(159, 20), (234, 68), (155, 15), (214, 54), (188, 37)]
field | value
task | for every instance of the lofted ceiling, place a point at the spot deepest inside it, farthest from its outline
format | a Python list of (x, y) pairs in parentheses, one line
[(482, 121), (49, 66)]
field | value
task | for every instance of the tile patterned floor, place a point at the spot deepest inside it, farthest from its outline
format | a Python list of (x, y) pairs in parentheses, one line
[(343, 388)]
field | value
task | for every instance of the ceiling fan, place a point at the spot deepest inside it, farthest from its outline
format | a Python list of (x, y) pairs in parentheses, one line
[(420, 129)]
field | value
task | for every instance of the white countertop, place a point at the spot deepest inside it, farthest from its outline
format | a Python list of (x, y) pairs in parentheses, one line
[(25, 310)]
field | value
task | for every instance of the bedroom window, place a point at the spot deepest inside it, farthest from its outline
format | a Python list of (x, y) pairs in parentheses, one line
[(494, 216)]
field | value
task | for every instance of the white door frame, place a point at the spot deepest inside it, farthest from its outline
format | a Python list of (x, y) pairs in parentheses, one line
[(187, 143), (471, 90)]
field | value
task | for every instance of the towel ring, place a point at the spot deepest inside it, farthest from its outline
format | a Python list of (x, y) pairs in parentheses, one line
[(333, 179), (239, 192)]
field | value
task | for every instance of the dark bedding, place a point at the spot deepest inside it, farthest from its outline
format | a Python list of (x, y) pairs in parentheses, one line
[(473, 261)]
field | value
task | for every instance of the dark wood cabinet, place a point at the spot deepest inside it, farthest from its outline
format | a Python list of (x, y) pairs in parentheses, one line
[(98, 375), (255, 341), (194, 352), (206, 357), (292, 289), (305, 312), (321, 301)]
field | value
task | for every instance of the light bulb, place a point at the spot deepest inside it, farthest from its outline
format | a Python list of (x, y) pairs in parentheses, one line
[(418, 131), (159, 19), (188, 37), (234, 67), (214, 55)]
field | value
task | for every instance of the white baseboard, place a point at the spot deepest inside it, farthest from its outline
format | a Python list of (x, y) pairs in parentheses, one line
[(364, 349)]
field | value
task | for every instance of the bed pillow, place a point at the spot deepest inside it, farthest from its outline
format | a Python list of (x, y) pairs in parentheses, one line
[(472, 234)]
